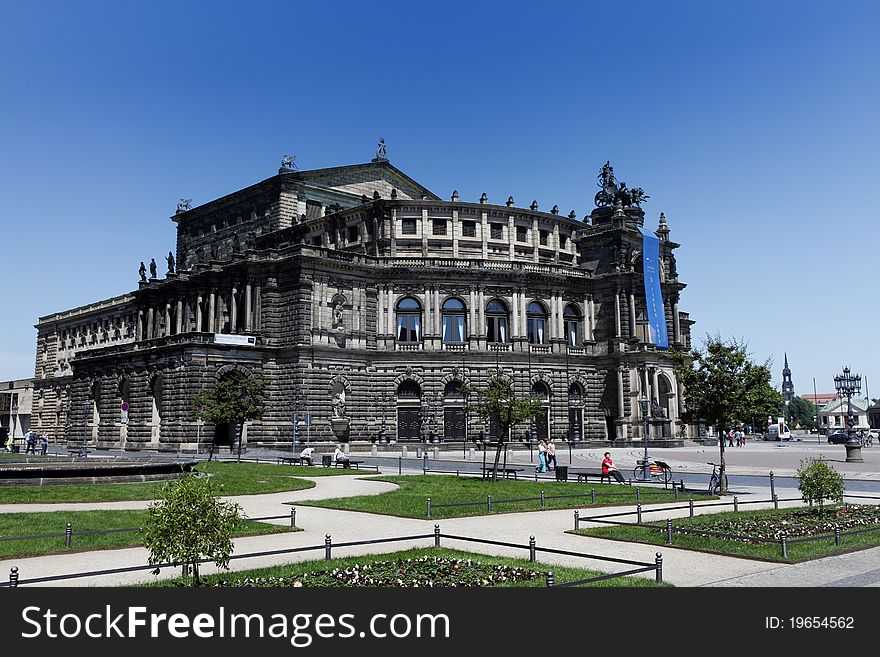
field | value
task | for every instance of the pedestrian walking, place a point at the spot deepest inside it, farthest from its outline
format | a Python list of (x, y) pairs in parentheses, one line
[(738, 438), (730, 438), (551, 454), (30, 443), (542, 456), (44, 444)]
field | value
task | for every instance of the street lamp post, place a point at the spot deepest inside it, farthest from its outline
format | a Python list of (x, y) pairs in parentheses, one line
[(14, 412), (425, 419), (847, 385), (383, 433), (643, 402)]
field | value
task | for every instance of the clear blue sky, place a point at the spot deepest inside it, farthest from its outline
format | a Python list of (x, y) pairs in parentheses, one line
[(752, 125)]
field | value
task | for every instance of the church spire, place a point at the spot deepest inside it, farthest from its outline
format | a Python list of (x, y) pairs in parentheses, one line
[(787, 384)]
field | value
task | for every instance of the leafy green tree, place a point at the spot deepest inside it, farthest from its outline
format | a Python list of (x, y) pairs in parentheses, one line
[(235, 399), (190, 523), (499, 402), (819, 481), (801, 412), (724, 388)]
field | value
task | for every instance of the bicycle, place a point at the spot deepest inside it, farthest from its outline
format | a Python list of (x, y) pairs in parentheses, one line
[(715, 481), (658, 470)]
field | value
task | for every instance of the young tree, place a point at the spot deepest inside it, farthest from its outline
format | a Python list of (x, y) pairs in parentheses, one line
[(819, 481), (801, 412), (190, 523), (234, 399), (499, 402), (725, 388)]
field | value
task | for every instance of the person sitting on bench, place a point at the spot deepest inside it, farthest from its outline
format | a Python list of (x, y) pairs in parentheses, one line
[(610, 470), (305, 456), (340, 457)]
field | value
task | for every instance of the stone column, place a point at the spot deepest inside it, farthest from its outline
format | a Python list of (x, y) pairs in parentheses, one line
[(536, 242), (380, 307), (200, 302), (212, 311), (617, 325), (149, 334), (472, 312), (620, 406), (248, 317), (389, 291), (514, 309), (588, 312), (481, 312), (556, 243), (167, 330), (178, 323), (484, 234), (632, 313), (140, 326), (676, 324), (655, 384), (437, 317), (233, 311), (258, 307)]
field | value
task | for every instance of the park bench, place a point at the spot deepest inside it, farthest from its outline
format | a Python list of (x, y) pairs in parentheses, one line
[(585, 475), (506, 473), (291, 460)]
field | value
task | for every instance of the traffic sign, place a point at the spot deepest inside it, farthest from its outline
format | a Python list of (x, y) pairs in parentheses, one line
[(125, 406)]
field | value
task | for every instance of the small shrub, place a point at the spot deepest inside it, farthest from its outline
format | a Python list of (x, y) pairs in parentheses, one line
[(818, 482), (190, 523)]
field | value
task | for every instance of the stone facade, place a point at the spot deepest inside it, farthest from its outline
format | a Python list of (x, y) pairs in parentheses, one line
[(366, 301)]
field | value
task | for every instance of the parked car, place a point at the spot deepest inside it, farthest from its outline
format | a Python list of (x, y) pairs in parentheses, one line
[(773, 432), (838, 438)]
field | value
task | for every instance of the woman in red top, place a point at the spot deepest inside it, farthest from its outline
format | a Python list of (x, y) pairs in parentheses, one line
[(608, 468)]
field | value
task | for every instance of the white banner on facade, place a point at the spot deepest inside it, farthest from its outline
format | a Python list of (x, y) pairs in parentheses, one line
[(245, 340)]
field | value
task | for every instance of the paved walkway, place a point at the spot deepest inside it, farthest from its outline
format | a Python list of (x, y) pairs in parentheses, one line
[(681, 567)]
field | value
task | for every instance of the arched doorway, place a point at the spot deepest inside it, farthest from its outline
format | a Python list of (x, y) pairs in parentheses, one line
[(542, 417), (409, 395), (454, 419)]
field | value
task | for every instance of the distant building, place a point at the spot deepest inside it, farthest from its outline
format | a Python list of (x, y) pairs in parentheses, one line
[(874, 416), (16, 403), (832, 416), (820, 399)]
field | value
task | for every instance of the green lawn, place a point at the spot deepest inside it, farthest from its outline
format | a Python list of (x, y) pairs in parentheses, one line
[(55, 522), (409, 501), (236, 479), (741, 522), (419, 570)]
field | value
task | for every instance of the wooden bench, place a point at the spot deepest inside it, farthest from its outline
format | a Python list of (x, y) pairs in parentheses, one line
[(349, 463), (504, 472), (291, 460), (585, 476)]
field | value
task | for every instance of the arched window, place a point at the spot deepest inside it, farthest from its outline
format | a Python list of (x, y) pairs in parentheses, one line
[(409, 390), (572, 319), (454, 389), (453, 320), (409, 320), (536, 318), (497, 317), (539, 389)]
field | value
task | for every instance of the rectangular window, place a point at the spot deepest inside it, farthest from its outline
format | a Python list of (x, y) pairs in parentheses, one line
[(544, 237), (643, 328), (521, 233), (408, 226), (496, 329), (535, 329), (439, 226), (468, 229), (497, 231), (352, 233), (408, 328)]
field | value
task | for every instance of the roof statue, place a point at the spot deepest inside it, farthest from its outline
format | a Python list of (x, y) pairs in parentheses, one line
[(184, 204), (380, 150), (611, 192), (287, 162), (142, 270)]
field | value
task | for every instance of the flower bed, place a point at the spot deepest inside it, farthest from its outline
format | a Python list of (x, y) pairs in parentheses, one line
[(422, 571), (765, 525)]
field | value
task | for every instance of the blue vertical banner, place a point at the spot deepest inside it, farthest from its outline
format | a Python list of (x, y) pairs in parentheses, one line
[(653, 294)]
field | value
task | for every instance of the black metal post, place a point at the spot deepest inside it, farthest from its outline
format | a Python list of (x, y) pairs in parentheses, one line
[(542, 499), (293, 517), (577, 519), (489, 503), (532, 549), (68, 534), (837, 534), (691, 507), (592, 496), (639, 513), (436, 535), (549, 579), (13, 576), (429, 507), (669, 531), (772, 486), (735, 504), (327, 547), (783, 539), (658, 560)]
